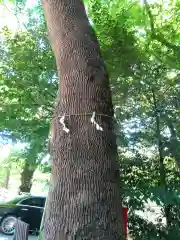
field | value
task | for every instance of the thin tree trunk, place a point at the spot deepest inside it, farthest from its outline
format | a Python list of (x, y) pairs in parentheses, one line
[(84, 200), (26, 178), (7, 177), (163, 184), (159, 142)]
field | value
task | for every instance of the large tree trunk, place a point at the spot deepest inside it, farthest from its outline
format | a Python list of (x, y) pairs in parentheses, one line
[(26, 178), (84, 200)]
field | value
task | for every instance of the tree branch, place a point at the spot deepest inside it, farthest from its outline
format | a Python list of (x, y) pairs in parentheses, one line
[(160, 38)]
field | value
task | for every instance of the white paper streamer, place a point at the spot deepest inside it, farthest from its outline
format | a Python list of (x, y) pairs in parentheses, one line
[(63, 123), (95, 123)]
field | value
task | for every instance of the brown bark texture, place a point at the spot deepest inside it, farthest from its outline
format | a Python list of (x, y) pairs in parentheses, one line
[(84, 200)]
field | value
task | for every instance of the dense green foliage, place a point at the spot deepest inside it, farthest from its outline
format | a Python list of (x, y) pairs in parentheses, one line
[(140, 44), (27, 93)]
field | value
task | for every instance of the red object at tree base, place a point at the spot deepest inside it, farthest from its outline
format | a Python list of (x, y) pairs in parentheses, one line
[(125, 217)]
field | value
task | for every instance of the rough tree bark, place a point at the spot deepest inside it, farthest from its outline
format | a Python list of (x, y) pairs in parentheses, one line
[(84, 200)]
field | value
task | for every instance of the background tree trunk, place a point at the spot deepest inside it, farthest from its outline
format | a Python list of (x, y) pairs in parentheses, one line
[(26, 178), (7, 176), (84, 200), (163, 183)]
